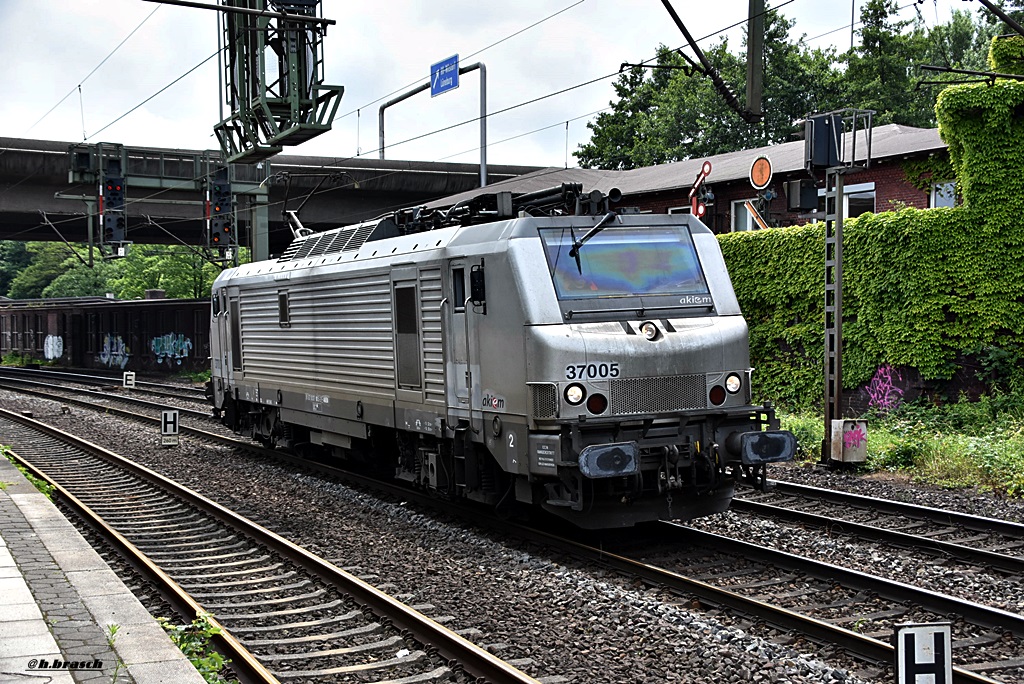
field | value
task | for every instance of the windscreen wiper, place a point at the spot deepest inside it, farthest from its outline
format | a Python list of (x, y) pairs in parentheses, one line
[(578, 244)]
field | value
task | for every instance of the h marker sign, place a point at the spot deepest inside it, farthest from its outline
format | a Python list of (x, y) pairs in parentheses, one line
[(169, 427)]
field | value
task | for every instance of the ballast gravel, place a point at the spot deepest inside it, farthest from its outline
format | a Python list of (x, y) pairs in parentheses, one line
[(562, 620)]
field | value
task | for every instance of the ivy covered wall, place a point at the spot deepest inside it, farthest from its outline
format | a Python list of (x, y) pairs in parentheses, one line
[(922, 289)]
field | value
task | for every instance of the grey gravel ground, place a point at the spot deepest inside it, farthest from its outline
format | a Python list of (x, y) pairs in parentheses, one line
[(900, 488), (966, 581), (582, 623)]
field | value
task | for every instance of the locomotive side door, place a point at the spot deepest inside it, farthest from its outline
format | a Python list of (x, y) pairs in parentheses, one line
[(218, 348), (457, 342), (408, 339), (231, 336)]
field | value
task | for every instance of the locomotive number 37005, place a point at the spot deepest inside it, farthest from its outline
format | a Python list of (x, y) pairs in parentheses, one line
[(591, 371)]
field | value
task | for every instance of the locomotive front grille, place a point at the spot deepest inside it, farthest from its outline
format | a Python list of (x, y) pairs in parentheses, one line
[(545, 400), (657, 395)]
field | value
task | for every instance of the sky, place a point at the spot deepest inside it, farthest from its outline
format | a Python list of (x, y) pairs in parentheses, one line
[(53, 90)]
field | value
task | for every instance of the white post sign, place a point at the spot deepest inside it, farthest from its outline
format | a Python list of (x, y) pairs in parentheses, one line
[(129, 379), (169, 427), (924, 653)]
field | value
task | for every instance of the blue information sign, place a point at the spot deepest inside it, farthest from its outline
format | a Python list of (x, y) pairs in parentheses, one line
[(444, 76)]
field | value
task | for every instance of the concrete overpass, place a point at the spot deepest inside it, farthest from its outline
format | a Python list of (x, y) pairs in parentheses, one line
[(47, 192)]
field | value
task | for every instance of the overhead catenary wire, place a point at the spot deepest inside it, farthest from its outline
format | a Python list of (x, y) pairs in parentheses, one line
[(215, 53), (341, 160), (469, 56), (222, 48), (94, 70), (424, 135), (852, 25)]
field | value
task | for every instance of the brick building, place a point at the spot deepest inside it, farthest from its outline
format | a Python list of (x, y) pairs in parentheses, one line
[(665, 188)]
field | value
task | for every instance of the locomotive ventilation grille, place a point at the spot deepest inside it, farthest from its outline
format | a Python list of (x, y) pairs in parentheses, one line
[(321, 244), (656, 395), (545, 400)]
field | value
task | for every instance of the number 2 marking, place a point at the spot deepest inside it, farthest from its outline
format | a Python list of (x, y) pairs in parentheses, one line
[(511, 440)]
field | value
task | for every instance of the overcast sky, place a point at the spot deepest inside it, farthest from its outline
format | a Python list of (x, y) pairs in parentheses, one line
[(376, 50)]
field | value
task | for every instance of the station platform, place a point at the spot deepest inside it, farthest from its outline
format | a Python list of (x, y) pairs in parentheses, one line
[(58, 597)]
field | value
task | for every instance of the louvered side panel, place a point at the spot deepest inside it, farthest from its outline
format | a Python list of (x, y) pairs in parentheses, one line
[(433, 341), (339, 339), (257, 309)]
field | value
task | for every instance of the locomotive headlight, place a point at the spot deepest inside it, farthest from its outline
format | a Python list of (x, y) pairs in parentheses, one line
[(733, 383), (574, 394), (649, 330)]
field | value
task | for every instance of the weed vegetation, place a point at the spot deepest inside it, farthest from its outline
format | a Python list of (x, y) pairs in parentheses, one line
[(961, 444)]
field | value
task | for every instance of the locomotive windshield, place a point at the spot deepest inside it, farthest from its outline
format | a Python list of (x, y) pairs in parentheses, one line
[(652, 260)]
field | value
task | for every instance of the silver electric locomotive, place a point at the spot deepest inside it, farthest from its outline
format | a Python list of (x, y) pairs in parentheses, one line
[(536, 350)]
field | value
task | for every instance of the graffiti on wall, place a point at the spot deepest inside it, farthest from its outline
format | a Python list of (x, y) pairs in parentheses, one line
[(171, 348), (115, 352), (53, 347), (883, 391)]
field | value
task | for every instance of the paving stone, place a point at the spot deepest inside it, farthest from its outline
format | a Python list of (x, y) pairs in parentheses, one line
[(24, 628), (15, 591)]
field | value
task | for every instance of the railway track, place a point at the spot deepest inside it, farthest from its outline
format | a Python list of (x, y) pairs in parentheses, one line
[(987, 641), (301, 618), (857, 615), (949, 534), (101, 399), (71, 379)]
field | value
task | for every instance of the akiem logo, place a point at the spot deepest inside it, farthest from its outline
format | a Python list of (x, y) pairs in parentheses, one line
[(493, 401)]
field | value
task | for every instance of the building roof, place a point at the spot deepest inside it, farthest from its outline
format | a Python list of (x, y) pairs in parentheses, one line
[(889, 141)]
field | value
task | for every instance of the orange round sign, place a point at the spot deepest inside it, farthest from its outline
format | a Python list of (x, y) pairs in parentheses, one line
[(761, 173)]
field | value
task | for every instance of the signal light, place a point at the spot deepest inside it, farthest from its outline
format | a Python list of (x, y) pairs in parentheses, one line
[(220, 210), (112, 209)]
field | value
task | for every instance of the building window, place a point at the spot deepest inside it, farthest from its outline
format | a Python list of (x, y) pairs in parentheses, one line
[(741, 218), (943, 194), (857, 199)]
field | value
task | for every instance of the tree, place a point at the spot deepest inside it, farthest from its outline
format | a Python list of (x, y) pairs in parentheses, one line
[(50, 269), (14, 256), (960, 44), (880, 71), (180, 272), (616, 134), (78, 280), (1013, 8), (677, 114), (47, 264)]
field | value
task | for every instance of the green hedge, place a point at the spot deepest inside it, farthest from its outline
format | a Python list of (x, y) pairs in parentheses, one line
[(920, 288)]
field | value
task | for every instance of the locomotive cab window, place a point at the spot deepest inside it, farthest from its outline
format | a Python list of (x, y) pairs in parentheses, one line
[(648, 261)]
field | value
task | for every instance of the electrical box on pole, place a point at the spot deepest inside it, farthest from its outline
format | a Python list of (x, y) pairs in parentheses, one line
[(838, 143)]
